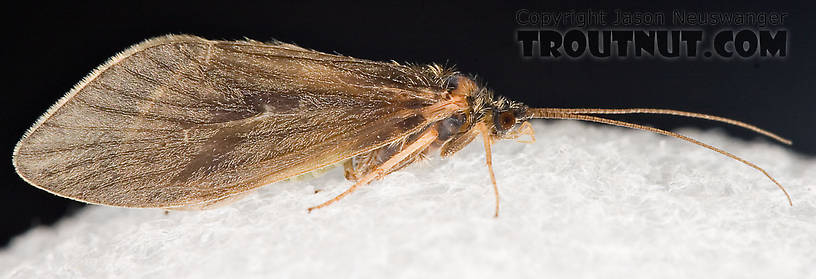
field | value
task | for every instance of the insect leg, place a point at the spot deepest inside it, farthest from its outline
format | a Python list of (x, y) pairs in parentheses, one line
[(457, 143), (349, 171), (422, 142), (489, 158), (525, 129)]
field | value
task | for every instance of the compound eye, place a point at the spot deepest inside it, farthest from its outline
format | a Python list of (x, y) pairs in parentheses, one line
[(506, 120)]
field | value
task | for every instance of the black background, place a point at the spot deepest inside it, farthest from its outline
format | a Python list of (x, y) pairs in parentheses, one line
[(48, 48)]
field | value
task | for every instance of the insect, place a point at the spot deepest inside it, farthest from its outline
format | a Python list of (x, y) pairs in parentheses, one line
[(181, 122)]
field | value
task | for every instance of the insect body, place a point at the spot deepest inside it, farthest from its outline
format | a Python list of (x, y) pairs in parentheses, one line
[(185, 122)]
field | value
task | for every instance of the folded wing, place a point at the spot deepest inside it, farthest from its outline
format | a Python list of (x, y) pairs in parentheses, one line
[(179, 120)]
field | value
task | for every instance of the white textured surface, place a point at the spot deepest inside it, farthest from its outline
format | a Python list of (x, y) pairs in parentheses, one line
[(583, 201)]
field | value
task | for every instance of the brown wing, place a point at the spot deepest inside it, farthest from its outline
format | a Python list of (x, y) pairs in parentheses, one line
[(180, 120)]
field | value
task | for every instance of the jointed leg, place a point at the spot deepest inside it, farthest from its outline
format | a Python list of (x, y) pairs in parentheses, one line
[(525, 129), (489, 158), (349, 171), (424, 141)]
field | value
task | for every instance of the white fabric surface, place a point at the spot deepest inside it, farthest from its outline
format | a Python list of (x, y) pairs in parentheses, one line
[(583, 201)]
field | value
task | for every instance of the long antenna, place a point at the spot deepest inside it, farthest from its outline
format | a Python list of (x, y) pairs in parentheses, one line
[(668, 112), (547, 113)]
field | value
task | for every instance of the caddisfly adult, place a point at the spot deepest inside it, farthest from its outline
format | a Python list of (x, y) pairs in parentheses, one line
[(184, 122)]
